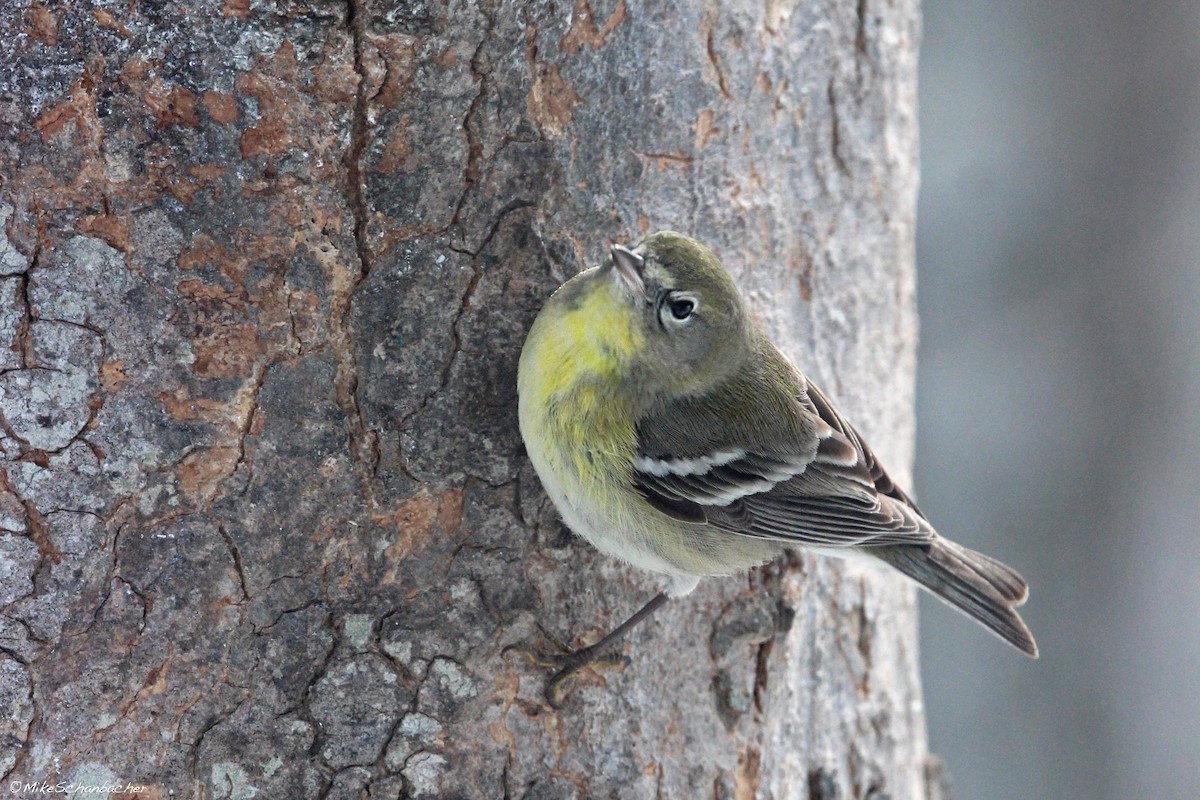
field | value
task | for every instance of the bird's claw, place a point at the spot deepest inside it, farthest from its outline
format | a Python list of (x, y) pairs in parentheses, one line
[(538, 657), (567, 664)]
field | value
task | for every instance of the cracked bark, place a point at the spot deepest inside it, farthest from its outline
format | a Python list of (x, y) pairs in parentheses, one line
[(263, 505), (363, 440)]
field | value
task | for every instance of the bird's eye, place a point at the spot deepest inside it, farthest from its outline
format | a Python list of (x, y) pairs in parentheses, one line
[(682, 308), (675, 309)]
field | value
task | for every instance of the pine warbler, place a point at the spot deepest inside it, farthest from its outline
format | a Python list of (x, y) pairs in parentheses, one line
[(670, 433)]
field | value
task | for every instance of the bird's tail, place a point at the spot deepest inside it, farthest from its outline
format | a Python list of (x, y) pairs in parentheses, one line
[(978, 585)]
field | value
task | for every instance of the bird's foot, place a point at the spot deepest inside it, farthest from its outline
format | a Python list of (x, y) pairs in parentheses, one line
[(568, 663)]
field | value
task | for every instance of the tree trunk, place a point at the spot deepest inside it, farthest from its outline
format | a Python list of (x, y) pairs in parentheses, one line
[(267, 267)]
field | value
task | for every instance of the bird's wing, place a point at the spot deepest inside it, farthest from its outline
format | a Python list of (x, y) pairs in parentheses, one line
[(766, 455)]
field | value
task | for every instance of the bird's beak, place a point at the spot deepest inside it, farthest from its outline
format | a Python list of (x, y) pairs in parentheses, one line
[(629, 266)]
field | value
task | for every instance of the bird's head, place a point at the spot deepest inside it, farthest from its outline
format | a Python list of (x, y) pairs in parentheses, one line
[(660, 320), (683, 310)]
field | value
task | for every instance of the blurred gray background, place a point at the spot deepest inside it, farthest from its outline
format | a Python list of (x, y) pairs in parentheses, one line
[(1058, 257)]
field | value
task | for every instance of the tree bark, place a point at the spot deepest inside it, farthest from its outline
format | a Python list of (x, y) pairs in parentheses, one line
[(267, 267)]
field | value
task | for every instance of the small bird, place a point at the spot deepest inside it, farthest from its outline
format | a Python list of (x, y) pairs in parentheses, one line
[(672, 434)]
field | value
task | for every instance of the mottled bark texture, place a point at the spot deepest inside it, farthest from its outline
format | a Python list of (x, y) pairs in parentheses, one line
[(266, 268)]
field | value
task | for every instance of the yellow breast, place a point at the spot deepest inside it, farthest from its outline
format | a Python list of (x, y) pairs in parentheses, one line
[(573, 413)]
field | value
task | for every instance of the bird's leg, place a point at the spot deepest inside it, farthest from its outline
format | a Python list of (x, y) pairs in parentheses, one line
[(569, 662)]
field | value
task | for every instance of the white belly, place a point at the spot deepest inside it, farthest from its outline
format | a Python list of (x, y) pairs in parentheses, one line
[(608, 526)]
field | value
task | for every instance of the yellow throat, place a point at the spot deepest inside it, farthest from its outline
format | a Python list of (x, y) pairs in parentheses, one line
[(569, 374)]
